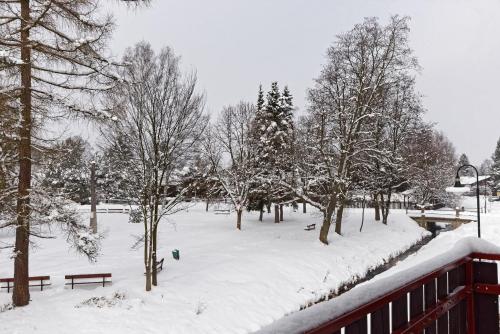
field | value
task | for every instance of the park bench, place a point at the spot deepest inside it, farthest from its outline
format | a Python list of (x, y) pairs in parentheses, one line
[(102, 280), (310, 227), (159, 265), (10, 280), (222, 211)]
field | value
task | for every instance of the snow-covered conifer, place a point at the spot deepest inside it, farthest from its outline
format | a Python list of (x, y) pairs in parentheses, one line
[(273, 137), (495, 168), (464, 160)]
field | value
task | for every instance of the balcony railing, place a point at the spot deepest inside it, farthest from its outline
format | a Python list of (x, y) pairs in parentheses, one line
[(453, 298)]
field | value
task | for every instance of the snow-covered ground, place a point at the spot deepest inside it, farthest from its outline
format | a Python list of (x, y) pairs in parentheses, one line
[(226, 281), (445, 248), (490, 231)]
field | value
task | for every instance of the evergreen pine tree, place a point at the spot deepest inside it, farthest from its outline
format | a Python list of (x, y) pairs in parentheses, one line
[(68, 169), (495, 168), (273, 136), (260, 100), (464, 160)]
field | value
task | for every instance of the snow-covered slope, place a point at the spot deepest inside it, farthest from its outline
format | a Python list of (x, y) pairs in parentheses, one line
[(445, 248), (227, 281)]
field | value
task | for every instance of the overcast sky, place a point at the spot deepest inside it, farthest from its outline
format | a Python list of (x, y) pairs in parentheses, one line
[(235, 45)]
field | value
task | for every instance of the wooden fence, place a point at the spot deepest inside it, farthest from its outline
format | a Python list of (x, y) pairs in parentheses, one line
[(392, 205)]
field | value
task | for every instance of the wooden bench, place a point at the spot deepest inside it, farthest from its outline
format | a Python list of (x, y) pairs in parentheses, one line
[(310, 227), (159, 265), (222, 211), (103, 276), (10, 280)]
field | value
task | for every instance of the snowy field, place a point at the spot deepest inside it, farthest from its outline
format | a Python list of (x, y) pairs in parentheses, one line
[(226, 281)]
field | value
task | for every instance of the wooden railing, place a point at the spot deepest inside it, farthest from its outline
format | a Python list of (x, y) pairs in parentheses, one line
[(458, 298)]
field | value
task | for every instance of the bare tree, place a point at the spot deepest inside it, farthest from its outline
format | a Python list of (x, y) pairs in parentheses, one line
[(230, 150), (344, 98), (157, 121), (433, 160), (384, 169)]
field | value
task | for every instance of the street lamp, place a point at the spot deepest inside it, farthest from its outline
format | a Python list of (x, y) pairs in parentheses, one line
[(458, 187)]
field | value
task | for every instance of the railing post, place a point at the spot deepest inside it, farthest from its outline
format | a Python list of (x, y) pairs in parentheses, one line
[(469, 283), (485, 306)]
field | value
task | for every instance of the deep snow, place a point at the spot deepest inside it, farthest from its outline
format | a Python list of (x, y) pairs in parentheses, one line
[(227, 281), (445, 248)]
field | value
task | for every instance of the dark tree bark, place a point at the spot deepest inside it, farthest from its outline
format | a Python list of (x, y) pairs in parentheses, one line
[(362, 214), (238, 219), (261, 210), (304, 207), (387, 205), (21, 295), (154, 278), (93, 199), (327, 220), (281, 212), (377, 207), (338, 218), (276, 213), (268, 205)]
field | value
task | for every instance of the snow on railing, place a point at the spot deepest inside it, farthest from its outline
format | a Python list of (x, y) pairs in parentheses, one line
[(442, 293)]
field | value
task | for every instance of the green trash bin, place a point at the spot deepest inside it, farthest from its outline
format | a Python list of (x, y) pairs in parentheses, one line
[(175, 254)]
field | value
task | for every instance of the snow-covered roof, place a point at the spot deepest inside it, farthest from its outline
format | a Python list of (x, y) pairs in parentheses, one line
[(408, 192), (470, 180), (321, 313)]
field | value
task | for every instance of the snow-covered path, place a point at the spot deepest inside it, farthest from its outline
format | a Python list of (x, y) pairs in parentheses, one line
[(227, 281)]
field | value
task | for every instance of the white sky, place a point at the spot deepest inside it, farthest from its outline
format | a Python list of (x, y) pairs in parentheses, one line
[(237, 44)]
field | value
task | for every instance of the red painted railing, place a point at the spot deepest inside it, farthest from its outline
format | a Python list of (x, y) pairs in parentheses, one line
[(459, 298)]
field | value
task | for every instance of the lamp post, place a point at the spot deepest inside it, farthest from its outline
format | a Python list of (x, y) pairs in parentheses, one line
[(458, 186), (93, 199)]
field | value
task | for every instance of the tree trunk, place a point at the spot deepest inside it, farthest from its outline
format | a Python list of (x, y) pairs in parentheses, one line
[(304, 207), (93, 199), (327, 220), (238, 219), (206, 207), (362, 214), (21, 294), (338, 218), (148, 278), (276, 213), (377, 207), (281, 212), (154, 236), (261, 209), (268, 207), (381, 204), (387, 206), (154, 278)]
